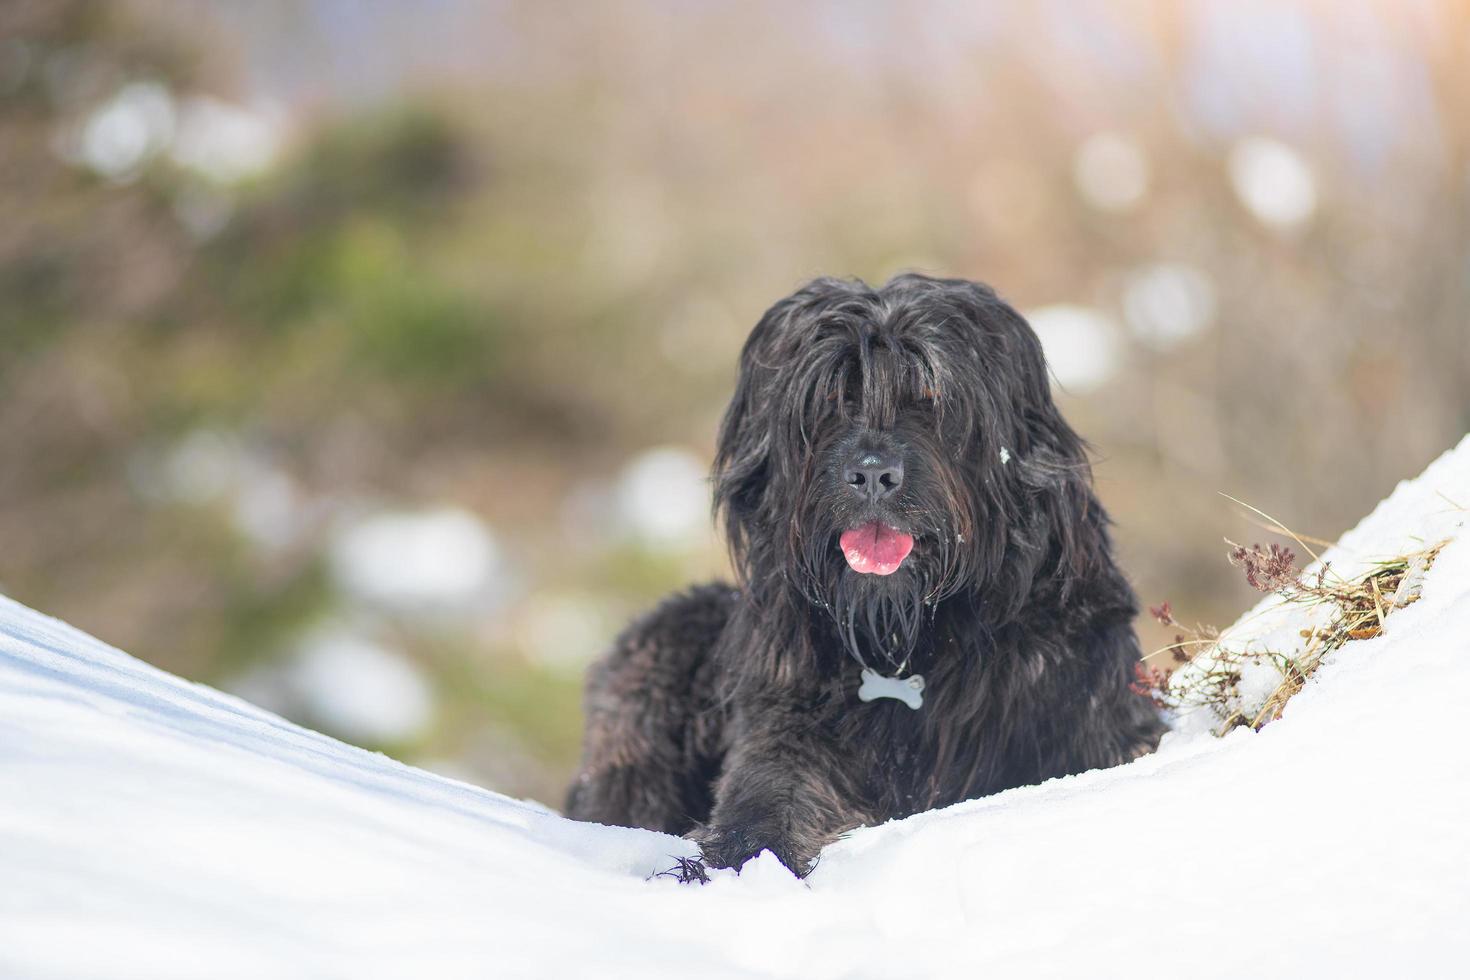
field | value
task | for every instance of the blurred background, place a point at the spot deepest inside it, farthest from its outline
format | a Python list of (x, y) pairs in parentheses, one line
[(363, 358)]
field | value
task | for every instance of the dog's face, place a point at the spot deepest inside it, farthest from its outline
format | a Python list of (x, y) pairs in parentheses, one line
[(888, 448)]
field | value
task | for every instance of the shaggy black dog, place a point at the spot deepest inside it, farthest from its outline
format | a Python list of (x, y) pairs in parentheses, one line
[(928, 608)]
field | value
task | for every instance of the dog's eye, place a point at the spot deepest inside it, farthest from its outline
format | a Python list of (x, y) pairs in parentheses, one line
[(926, 398), (846, 400)]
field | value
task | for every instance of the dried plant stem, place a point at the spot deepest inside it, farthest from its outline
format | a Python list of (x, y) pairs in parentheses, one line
[(1210, 678), (1281, 527)]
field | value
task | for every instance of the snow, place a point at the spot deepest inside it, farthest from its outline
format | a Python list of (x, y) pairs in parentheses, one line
[(156, 828), (1273, 181), (1111, 171), (438, 560), (663, 498), (1419, 515), (224, 142), (210, 466), (1167, 303), (1083, 345), (348, 683), (564, 630), (221, 141), (123, 134)]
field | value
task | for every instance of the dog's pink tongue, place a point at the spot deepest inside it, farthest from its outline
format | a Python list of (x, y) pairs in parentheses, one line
[(876, 549)]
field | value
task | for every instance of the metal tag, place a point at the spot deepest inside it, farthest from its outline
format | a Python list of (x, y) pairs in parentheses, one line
[(909, 690)]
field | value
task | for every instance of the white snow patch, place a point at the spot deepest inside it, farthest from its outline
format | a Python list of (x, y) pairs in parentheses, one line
[(1167, 303), (1417, 515), (1111, 172), (202, 466), (209, 466), (219, 140), (563, 630), (663, 497), (155, 828), (359, 689), (1082, 345), (125, 132), (439, 560), (348, 683), (226, 142), (268, 508), (1273, 181)]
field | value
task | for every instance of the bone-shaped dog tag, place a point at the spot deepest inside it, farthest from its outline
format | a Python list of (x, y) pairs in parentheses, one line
[(909, 690)]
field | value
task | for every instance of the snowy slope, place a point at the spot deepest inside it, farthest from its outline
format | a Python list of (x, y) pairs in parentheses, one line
[(154, 828)]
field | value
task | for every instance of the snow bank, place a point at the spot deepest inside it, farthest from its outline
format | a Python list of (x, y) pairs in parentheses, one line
[(154, 828), (1419, 515)]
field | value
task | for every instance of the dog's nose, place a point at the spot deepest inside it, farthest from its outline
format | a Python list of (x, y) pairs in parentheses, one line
[(874, 476)]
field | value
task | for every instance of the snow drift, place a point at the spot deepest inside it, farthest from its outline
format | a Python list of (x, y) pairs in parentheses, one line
[(154, 828)]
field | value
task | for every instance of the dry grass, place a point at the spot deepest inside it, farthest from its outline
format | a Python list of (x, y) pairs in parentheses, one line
[(1211, 678)]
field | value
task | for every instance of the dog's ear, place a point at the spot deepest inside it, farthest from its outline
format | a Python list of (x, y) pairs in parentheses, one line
[(742, 463), (788, 383), (1057, 531), (1059, 484)]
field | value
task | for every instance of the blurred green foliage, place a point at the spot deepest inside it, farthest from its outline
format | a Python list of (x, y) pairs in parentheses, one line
[(364, 321)]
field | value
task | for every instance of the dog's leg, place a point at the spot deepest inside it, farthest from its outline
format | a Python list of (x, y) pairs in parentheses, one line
[(652, 740), (1116, 725), (1108, 723), (784, 788), (645, 793), (636, 770)]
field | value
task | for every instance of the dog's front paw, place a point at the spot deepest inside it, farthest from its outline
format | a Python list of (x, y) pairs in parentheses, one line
[(686, 871), (732, 848)]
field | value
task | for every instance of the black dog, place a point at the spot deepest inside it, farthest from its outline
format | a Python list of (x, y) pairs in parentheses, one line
[(928, 607)]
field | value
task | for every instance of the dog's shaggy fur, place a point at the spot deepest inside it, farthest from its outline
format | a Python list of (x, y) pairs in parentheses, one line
[(731, 714)]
